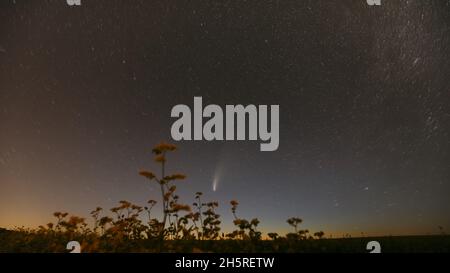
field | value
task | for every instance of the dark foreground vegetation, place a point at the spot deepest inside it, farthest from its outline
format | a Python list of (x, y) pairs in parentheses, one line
[(188, 228), (35, 242)]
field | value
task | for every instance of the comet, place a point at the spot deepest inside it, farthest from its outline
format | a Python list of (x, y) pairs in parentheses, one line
[(218, 172), (215, 183)]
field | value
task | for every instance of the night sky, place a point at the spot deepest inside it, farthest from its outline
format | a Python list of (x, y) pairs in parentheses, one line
[(86, 92)]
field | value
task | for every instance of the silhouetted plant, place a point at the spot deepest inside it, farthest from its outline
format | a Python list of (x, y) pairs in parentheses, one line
[(273, 235), (197, 216), (60, 216), (294, 222), (319, 234), (105, 220), (298, 234), (211, 224), (244, 225), (96, 214), (164, 181)]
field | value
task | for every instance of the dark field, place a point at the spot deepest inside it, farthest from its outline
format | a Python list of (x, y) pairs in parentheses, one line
[(24, 242)]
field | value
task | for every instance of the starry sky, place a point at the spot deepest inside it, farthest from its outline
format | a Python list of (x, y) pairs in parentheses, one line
[(86, 92)]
